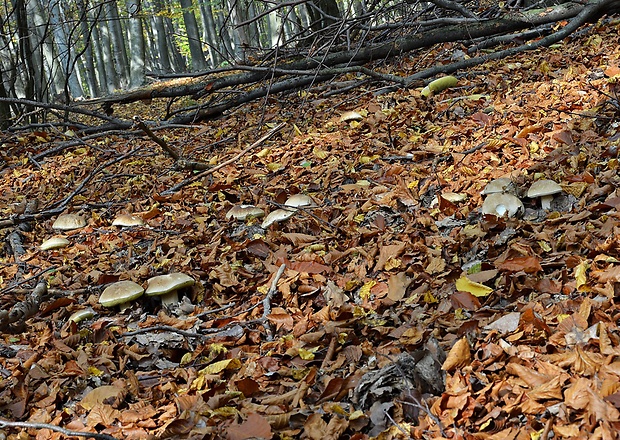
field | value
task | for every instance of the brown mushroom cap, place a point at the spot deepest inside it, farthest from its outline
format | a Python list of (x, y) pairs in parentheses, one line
[(120, 293)]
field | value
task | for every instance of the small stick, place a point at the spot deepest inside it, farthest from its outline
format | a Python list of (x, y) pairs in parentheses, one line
[(66, 432), (267, 302)]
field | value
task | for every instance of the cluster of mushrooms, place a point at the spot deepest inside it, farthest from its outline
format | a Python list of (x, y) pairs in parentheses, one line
[(120, 293), (167, 286), (501, 200)]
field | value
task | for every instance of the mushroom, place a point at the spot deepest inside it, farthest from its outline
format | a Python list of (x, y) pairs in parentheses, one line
[(279, 215), (81, 315), (299, 201), (67, 222), (243, 212), (54, 243), (502, 204), (120, 294), (127, 220), (545, 189), (166, 286), (501, 185)]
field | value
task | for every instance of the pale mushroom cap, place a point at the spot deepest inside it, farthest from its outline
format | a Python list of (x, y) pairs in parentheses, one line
[(279, 215), (542, 188), (501, 204), (120, 292), (503, 184), (163, 284), (299, 200), (242, 212), (67, 222), (54, 243), (127, 220), (81, 315)]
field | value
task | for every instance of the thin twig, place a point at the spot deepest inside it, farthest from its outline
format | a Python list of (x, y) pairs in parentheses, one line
[(267, 302), (66, 432)]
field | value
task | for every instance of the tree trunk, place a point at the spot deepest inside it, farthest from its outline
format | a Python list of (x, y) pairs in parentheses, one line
[(193, 36), (136, 45)]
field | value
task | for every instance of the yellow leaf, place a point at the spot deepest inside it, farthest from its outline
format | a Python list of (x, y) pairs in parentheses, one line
[(464, 284), (218, 367), (429, 298), (580, 274), (274, 166), (320, 154), (264, 152), (306, 355), (392, 263), (297, 130), (365, 289), (544, 246)]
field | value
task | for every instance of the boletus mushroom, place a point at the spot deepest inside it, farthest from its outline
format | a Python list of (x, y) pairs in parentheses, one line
[(167, 287)]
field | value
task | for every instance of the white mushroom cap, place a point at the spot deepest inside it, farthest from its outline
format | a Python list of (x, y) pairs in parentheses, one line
[(120, 293), (544, 187), (243, 212), (54, 243), (279, 215), (167, 286), (502, 204), (81, 315), (299, 200), (67, 222), (127, 220), (503, 184)]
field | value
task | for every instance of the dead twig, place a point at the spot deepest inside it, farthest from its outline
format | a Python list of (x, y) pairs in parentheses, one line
[(267, 302), (66, 432)]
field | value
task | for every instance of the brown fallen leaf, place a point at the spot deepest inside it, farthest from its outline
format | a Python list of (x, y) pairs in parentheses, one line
[(458, 357)]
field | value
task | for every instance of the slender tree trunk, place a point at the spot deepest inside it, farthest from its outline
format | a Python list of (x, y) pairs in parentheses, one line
[(117, 41), (210, 33), (193, 35), (107, 58), (137, 63), (89, 60)]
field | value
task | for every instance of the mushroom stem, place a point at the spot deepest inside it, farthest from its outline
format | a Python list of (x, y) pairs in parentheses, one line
[(170, 298), (545, 202), (124, 306)]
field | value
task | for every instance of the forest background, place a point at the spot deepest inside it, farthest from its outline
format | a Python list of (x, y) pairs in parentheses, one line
[(321, 174)]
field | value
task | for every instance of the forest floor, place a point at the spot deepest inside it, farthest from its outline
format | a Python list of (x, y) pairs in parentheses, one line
[(402, 311)]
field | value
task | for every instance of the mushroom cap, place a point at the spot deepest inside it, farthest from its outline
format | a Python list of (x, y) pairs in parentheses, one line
[(54, 243), (544, 187), (67, 222), (299, 200), (503, 184), (120, 292), (126, 220), (242, 212), (279, 215), (502, 204), (81, 315), (162, 284)]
